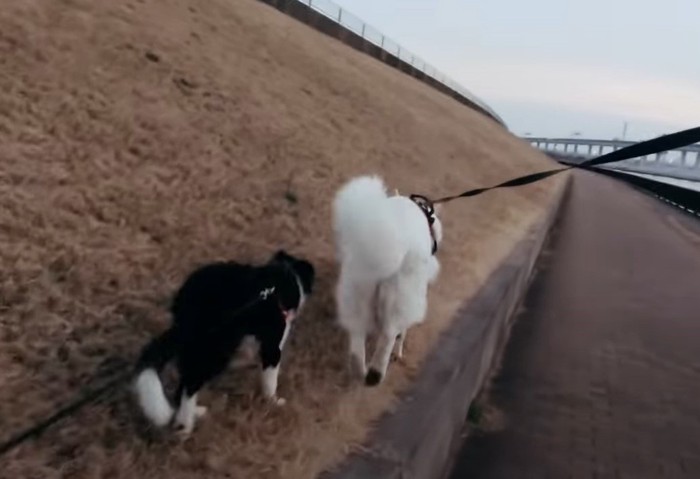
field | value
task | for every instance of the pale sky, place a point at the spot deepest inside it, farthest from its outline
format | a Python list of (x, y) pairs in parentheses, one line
[(553, 67)]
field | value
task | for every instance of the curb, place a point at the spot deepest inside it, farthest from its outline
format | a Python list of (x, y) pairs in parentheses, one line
[(418, 440)]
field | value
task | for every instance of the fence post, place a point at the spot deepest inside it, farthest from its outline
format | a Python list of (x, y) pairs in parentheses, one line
[(363, 30), (382, 45), (340, 15)]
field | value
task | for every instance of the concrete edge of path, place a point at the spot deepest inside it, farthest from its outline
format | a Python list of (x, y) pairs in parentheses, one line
[(419, 438)]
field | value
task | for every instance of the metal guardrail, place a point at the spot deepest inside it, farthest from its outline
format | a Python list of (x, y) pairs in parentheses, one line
[(680, 164), (356, 25), (597, 143), (686, 199)]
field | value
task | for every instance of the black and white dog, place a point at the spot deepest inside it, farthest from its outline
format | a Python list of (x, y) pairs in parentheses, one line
[(218, 309)]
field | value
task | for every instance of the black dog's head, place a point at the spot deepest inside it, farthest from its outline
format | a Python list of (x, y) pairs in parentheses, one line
[(303, 269)]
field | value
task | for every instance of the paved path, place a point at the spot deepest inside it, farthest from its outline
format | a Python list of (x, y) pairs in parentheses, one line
[(601, 377)]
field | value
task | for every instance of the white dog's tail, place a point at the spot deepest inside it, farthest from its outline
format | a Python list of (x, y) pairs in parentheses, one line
[(367, 229), (147, 386)]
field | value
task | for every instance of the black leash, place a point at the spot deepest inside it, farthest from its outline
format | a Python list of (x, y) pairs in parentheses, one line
[(68, 410), (649, 147)]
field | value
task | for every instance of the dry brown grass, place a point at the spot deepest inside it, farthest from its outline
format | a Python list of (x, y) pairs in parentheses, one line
[(119, 174)]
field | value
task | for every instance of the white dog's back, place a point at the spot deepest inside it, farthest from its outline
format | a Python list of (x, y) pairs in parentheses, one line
[(368, 235), (375, 232)]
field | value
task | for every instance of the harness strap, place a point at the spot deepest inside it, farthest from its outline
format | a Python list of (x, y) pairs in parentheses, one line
[(426, 206)]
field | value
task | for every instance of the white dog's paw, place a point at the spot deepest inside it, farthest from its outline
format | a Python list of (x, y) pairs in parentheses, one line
[(277, 401), (373, 377)]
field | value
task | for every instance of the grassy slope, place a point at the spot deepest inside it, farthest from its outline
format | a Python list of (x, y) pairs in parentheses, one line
[(118, 174)]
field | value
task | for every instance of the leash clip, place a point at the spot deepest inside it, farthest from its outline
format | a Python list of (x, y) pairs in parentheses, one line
[(265, 293), (426, 205)]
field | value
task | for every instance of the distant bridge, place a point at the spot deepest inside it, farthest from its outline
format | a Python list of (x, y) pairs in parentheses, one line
[(683, 163)]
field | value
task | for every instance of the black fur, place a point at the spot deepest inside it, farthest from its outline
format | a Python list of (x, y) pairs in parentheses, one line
[(217, 306)]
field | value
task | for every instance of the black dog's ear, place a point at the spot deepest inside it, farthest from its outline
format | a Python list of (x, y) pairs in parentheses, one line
[(307, 274), (281, 255)]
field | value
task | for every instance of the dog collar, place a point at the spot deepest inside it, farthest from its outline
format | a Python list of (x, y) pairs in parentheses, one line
[(287, 314), (426, 206)]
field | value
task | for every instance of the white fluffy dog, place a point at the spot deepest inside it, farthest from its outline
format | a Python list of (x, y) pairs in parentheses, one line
[(386, 248)]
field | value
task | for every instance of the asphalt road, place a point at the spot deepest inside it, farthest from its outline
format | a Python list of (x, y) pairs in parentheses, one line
[(601, 377)]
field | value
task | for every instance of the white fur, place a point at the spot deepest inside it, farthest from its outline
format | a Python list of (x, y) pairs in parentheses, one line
[(187, 413), (151, 398), (384, 248), (269, 384), (399, 345)]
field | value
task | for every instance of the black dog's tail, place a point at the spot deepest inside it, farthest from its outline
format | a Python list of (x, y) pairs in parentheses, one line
[(147, 386)]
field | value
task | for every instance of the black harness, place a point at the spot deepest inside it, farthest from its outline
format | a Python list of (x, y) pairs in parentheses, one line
[(426, 206)]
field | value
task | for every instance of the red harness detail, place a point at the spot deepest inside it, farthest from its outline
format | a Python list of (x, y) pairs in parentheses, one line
[(287, 314)]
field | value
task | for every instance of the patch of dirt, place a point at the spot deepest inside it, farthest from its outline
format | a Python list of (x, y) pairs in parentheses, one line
[(140, 139)]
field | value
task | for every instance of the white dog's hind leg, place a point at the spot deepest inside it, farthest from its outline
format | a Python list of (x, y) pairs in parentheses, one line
[(358, 355), (399, 344), (381, 358), (355, 301)]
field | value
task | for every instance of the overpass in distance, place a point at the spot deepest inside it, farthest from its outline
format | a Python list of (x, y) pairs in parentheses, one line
[(683, 163)]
